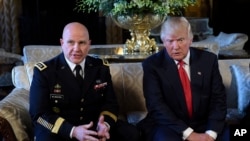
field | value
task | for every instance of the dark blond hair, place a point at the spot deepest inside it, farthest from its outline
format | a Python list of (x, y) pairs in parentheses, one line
[(173, 24)]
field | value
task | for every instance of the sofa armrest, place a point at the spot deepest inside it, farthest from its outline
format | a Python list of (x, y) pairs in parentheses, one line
[(14, 109)]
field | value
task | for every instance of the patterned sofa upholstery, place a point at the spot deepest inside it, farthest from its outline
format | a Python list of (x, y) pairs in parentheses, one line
[(127, 81)]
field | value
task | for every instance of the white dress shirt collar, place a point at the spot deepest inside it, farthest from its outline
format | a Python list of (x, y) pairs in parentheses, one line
[(185, 60), (72, 65)]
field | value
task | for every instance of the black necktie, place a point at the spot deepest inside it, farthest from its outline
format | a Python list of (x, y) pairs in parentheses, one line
[(79, 78)]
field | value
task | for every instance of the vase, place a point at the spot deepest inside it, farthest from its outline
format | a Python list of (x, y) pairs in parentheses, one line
[(139, 26)]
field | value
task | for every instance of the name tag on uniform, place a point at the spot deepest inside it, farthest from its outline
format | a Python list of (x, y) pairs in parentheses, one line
[(57, 96)]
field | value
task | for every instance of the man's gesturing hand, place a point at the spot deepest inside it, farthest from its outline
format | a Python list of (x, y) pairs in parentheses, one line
[(103, 129), (82, 133)]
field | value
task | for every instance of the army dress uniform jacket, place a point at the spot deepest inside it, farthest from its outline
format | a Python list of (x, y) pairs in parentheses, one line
[(58, 102)]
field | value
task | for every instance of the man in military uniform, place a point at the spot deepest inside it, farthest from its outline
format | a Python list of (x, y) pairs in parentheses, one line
[(63, 108)]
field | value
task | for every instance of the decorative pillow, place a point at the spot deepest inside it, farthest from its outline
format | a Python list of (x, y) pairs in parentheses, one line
[(241, 75), (224, 39)]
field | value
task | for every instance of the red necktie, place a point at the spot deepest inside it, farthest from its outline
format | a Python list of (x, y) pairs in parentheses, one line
[(186, 87)]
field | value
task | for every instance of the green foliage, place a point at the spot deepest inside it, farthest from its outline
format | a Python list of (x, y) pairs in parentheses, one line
[(123, 7)]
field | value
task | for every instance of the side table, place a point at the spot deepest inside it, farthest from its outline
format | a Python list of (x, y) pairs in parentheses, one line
[(116, 55)]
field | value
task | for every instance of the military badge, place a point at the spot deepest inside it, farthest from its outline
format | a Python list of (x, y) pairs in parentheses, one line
[(57, 89), (105, 62), (41, 66), (100, 85), (56, 110)]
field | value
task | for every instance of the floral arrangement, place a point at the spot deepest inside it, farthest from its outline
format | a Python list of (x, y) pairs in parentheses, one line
[(125, 7)]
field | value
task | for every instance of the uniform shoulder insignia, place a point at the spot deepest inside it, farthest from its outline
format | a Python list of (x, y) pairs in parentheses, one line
[(105, 62), (41, 66)]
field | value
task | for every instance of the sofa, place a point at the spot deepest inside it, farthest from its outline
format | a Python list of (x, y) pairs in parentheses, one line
[(15, 122)]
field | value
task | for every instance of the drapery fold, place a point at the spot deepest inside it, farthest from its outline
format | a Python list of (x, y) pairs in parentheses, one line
[(10, 11), (113, 32)]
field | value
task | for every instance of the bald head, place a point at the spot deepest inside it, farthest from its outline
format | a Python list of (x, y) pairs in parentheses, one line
[(75, 27), (75, 42)]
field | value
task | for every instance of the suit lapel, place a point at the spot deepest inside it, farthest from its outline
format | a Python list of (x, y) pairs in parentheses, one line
[(63, 69), (196, 75), (89, 74), (171, 73)]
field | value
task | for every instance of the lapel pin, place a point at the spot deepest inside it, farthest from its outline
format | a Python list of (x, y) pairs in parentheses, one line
[(199, 73)]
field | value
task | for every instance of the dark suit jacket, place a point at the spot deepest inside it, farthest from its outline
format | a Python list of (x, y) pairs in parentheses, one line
[(164, 94), (55, 95)]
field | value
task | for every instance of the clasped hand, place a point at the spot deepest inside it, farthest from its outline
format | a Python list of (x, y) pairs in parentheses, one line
[(199, 137), (83, 132)]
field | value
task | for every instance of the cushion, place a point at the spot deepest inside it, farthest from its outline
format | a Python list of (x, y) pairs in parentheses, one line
[(232, 41), (225, 39), (231, 90), (241, 75), (130, 98)]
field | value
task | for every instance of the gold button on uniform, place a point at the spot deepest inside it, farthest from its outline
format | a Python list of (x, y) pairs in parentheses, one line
[(81, 109), (81, 118), (82, 100)]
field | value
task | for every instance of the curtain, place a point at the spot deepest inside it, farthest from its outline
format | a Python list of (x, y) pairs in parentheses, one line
[(202, 8), (10, 11), (113, 32)]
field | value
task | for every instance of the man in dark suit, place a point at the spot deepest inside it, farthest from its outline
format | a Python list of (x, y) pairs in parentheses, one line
[(170, 116), (63, 108)]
